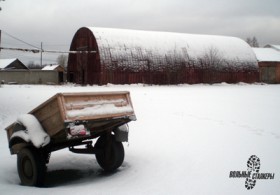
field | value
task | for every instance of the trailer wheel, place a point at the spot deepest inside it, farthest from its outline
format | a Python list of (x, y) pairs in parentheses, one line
[(31, 167), (111, 153)]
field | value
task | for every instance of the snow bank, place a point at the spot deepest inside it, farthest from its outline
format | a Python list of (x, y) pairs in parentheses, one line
[(34, 131)]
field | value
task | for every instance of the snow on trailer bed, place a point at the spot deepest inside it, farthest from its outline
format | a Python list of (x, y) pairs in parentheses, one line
[(100, 111)]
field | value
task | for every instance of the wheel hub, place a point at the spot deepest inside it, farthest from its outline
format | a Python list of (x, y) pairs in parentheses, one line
[(27, 168)]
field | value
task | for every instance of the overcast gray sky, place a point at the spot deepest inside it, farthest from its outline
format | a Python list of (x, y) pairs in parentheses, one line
[(54, 22)]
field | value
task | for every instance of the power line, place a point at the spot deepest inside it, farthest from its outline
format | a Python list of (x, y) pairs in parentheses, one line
[(37, 50), (19, 39), (5, 42), (41, 50)]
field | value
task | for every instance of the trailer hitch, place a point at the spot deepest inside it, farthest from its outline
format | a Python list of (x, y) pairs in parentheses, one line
[(89, 149)]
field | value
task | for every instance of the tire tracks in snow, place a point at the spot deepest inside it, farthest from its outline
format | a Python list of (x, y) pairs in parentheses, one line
[(247, 127)]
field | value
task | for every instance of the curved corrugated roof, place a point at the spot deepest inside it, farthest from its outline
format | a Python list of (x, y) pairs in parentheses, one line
[(130, 47)]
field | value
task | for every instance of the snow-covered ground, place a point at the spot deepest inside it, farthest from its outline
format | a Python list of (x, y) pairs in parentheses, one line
[(187, 140)]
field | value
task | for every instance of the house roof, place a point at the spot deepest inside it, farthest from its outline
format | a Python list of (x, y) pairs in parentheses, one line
[(277, 47), (267, 54), (131, 45), (50, 67), (6, 62)]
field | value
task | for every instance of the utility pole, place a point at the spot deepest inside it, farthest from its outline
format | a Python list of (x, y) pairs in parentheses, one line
[(0, 40), (41, 59)]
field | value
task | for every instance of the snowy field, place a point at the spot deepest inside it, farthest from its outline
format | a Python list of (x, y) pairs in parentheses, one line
[(187, 140)]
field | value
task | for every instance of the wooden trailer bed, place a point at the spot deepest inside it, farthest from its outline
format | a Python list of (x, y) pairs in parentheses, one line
[(70, 120), (98, 111)]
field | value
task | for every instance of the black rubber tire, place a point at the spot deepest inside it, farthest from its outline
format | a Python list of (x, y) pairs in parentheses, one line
[(31, 167), (116, 156)]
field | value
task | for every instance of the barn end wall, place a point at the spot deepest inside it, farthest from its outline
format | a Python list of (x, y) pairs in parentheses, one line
[(29, 77), (84, 67)]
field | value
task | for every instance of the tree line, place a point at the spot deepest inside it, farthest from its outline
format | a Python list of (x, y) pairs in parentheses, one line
[(61, 60), (253, 42)]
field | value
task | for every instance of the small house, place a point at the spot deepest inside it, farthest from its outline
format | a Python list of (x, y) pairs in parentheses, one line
[(269, 64), (60, 69), (276, 47), (12, 64)]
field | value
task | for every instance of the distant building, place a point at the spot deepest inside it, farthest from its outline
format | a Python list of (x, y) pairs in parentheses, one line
[(12, 64), (12, 71), (276, 47), (60, 69), (122, 56), (54, 67), (269, 64)]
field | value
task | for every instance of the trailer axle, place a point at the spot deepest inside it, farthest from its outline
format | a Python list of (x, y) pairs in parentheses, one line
[(89, 149)]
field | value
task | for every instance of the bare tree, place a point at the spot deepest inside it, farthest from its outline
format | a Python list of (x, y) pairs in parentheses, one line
[(212, 58), (249, 41), (0, 7), (62, 60), (32, 65), (253, 42)]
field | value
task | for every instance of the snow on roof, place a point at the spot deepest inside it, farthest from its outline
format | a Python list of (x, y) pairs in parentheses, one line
[(277, 47), (5, 62), (50, 67), (267, 54), (120, 44)]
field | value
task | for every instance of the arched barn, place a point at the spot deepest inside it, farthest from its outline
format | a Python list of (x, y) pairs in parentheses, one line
[(132, 56)]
